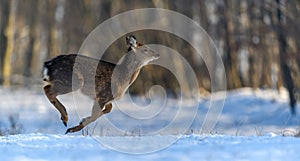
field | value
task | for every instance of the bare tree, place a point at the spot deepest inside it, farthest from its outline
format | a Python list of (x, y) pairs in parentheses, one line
[(10, 33), (4, 11), (286, 72)]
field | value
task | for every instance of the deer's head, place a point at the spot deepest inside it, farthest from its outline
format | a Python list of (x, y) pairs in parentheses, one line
[(141, 51)]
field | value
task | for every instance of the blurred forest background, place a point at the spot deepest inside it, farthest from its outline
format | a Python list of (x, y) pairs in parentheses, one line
[(258, 39)]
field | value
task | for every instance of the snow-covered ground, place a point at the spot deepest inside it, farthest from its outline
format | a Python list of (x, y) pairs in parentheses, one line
[(253, 125), (42, 147)]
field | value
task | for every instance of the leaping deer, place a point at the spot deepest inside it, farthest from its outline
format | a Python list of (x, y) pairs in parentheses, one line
[(100, 80)]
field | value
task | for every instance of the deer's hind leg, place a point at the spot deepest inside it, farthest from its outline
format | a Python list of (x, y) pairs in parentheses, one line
[(51, 95), (97, 111)]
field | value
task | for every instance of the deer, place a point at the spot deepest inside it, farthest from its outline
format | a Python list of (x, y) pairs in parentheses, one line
[(100, 80)]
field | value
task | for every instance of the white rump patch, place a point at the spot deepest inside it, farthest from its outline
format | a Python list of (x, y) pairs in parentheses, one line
[(45, 74)]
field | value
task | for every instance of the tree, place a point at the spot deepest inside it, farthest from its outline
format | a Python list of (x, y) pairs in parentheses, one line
[(4, 11), (285, 69), (10, 33)]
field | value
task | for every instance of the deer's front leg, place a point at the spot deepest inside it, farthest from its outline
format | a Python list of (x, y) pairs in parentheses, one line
[(96, 113), (60, 107)]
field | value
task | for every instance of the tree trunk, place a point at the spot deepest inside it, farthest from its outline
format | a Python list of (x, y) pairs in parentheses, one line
[(285, 70), (231, 46), (10, 32), (4, 11)]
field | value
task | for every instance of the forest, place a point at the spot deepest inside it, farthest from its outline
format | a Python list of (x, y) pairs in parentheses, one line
[(258, 39)]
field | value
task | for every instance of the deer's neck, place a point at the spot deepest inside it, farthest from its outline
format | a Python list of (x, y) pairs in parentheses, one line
[(125, 73), (130, 65)]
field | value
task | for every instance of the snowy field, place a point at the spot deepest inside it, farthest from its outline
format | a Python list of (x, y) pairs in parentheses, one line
[(42, 147), (253, 125)]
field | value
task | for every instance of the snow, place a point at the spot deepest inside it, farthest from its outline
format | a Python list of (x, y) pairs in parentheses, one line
[(188, 147), (253, 125)]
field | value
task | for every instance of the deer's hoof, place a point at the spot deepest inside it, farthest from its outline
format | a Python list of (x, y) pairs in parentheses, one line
[(64, 120), (68, 131), (75, 129), (65, 123)]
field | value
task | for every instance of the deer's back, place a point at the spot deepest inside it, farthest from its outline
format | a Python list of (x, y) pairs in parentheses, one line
[(72, 72), (96, 76)]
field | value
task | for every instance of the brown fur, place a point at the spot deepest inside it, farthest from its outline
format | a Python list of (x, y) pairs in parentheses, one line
[(102, 81)]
